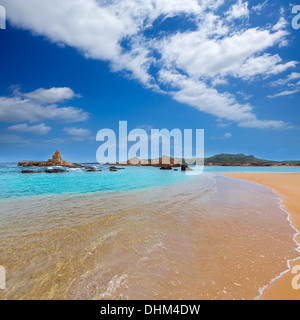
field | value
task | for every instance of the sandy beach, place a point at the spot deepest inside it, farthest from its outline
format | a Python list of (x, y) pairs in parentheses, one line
[(287, 185)]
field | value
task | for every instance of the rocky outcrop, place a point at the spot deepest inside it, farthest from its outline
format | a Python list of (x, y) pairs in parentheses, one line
[(55, 171), (54, 162), (91, 169), (30, 171), (114, 169), (185, 167), (166, 168)]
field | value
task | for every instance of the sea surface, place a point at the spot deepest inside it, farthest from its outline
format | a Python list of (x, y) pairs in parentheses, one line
[(13, 184), (140, 233)]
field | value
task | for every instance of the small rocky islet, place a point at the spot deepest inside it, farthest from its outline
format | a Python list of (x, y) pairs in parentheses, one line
[(56, 161)]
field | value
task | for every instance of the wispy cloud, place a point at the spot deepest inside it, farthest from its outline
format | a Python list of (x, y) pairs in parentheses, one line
[(284, 93), (78, 134), (289, 78), (13, 139), (40, 129), (258, 8)]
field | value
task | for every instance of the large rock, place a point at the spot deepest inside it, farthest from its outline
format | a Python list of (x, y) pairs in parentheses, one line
[(166, 167), (185, 167), (30, 171), (55, 171), (54, 162)]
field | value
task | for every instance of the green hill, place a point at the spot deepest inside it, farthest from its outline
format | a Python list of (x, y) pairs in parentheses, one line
[(235, 159)]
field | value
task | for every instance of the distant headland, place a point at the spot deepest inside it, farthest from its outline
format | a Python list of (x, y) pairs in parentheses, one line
[(236, 160)]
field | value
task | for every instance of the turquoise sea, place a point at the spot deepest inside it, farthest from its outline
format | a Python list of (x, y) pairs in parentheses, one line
[(14, 184)]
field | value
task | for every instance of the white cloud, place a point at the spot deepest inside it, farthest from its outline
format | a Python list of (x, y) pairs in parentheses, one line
[(239, 10), (294, 84), (217, 50), (244, 95), (258, 8), (202, 56), (282, 82), (53, 95), (78, 134), (21, 108), (40, 129), (281, 24), (284, 93), (222, 124), (265, 65), (224, 106)]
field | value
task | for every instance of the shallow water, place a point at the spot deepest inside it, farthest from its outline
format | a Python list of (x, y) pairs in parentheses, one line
[(202, 238), (13, 184)]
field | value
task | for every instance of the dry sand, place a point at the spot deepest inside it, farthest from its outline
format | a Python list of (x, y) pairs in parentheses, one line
[(288, 186)]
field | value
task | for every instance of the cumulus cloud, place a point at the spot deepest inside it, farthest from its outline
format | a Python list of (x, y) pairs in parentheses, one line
[(239, 10), (265, 64), (52, 95), (40, 129), (38, 106), (187, 65)]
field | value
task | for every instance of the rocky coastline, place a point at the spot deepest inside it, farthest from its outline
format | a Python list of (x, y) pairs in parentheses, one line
[(56, 161), (164, 163)]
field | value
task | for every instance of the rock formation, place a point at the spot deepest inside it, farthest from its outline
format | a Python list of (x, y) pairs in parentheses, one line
[(185, 167), (55, 171), (30, 171), (54, 162)]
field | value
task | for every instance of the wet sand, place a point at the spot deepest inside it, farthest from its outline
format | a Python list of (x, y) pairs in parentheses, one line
[(287, 185)]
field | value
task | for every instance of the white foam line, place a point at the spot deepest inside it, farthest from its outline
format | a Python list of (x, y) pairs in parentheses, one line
[(282, 207)]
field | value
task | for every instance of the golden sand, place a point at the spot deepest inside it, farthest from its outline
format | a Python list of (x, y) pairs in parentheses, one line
[(288, 186)]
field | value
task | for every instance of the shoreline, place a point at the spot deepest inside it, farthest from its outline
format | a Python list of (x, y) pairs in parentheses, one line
[(287, 187)]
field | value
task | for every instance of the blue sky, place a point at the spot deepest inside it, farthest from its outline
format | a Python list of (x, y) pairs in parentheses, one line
[(70, 68)]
